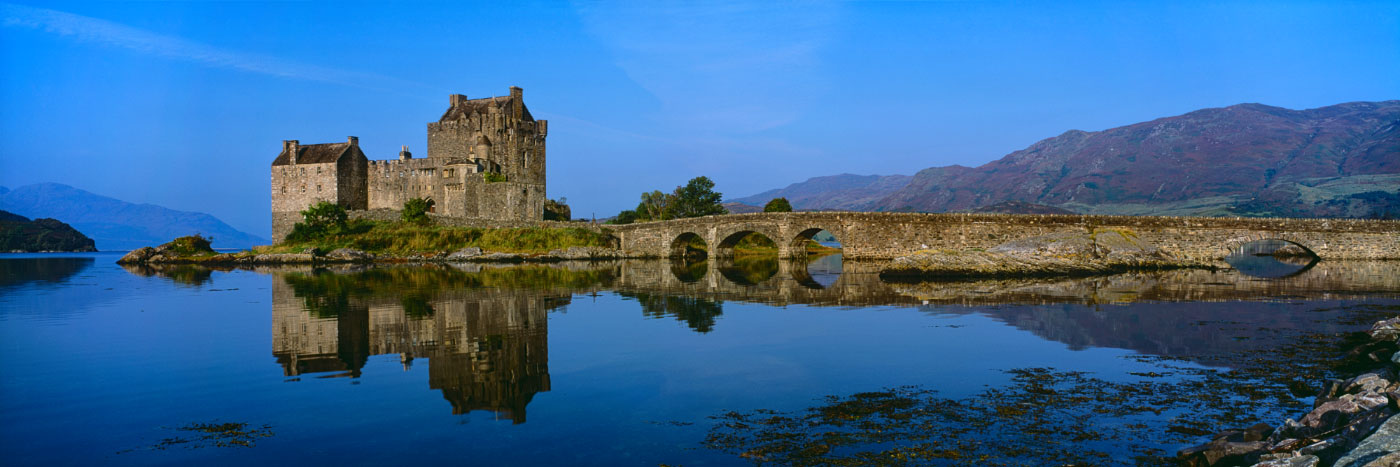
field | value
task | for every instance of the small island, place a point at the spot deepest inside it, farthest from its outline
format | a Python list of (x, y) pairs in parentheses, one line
[(19, 234)]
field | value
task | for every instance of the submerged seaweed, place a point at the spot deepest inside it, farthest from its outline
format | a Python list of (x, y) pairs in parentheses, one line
[(1048, 417)]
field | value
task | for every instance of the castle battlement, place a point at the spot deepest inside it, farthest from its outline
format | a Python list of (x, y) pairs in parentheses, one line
[(473, 138)]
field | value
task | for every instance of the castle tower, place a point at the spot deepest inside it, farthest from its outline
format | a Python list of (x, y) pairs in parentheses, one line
[(506, 144)]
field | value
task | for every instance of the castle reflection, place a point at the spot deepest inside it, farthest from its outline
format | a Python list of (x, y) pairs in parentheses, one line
[(485, 341)]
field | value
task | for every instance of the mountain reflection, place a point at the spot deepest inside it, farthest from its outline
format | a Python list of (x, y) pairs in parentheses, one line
[(15, 272)]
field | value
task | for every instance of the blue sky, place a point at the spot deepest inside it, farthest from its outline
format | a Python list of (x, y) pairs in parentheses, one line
[(185, 104)]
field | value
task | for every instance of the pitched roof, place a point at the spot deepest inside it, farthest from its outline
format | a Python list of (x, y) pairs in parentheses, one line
[(481, 106), (315, 154)]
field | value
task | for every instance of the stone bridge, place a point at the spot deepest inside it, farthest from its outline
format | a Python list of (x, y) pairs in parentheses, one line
[(881, 236)]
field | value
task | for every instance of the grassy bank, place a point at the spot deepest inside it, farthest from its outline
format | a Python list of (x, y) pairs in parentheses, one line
[(398, 238), (758, 245)]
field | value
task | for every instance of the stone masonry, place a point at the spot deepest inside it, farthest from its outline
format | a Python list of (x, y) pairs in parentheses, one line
[(486, 160), (882, 236)]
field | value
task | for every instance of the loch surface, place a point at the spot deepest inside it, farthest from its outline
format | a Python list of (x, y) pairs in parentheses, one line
[(623, 363)]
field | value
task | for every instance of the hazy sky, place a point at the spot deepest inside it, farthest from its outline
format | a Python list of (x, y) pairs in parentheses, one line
[(185, 104)]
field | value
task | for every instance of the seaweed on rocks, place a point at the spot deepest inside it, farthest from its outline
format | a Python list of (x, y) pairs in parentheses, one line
[(1045, 416)]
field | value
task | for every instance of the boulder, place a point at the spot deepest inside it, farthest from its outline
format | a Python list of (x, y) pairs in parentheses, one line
[(1336, 413), (1102, 244), (1299, 461), (1223, 452), (138, 256), (464, 254), (1374, 381), (1059, 254), (584, 252), (349, 255), (1388, 330), (284, 258), (499, 258)]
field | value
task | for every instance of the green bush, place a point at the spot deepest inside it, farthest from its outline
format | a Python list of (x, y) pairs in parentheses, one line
[(319, 220), (191, 245), (778, 205), (624, 217), (493, 177), (415, 211)]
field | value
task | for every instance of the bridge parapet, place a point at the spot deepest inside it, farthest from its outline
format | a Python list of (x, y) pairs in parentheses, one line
[(878, 236)]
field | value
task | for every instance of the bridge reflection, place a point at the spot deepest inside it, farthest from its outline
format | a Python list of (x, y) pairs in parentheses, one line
[(483, 329)]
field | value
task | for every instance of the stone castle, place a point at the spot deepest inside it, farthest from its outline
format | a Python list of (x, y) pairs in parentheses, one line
[(486, 160)]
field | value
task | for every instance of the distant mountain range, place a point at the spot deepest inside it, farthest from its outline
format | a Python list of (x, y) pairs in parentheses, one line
[(843, 192), (1243, 160), (118, 225)]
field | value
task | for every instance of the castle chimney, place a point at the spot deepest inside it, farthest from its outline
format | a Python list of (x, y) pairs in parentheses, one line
[(291, 147), (516, 102), (353, 140), (456, 100), (404, 154)]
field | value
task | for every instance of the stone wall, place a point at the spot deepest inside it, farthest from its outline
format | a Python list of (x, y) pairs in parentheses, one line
[(877, 236), (390, 215), (296, 187)]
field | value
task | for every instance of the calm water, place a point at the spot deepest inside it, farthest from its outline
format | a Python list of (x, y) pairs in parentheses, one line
[(583, 364)]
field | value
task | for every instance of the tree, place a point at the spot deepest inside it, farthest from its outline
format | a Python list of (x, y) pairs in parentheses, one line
[(415, 211), (557, 210), (624, 217), (778, 205), (697, 198), (318, 220), (655, 206)]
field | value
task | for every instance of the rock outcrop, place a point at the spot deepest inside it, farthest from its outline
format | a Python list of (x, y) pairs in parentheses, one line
[(1352, 422), (1104, 251)]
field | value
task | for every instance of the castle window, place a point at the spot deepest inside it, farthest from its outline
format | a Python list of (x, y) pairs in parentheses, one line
[(318, 171), (318, 188)]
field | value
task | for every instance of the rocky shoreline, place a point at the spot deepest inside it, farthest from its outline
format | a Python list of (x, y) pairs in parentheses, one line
[(1352, 423), (161, 255)]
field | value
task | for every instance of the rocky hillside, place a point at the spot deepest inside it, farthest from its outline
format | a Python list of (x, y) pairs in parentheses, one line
[(843, 192), (117, 224), (1242, 160), (1247, 160), (19, 234), (1021, 207)]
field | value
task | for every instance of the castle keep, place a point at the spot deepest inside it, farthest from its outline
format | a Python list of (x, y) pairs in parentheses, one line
[(486, 160)]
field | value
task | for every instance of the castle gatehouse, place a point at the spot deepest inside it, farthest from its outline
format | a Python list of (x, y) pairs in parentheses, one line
[(486, 160)]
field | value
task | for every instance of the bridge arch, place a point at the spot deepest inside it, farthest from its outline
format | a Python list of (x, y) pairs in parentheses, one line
[(724, 247), (1242, 245), (798, 243), (685, 245)]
